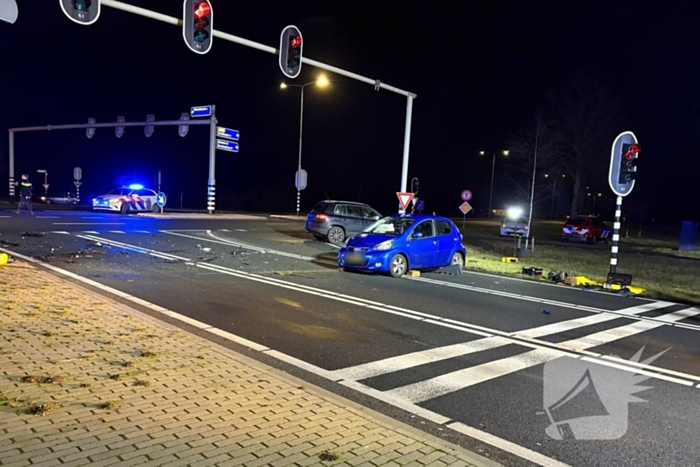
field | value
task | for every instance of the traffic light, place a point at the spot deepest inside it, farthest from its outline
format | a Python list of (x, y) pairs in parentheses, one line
[(84, 12), (628, 162), (623, 163), (415, 184), (198, 25), (291, 47)]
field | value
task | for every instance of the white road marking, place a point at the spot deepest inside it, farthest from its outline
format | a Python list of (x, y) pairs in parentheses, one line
[(624, 313), (5, 217), (679, 315), (563, 326), (142, 231), (91, 232), (61, 232), (399, 311), (116, 232), (88, 223), (609, 335), (91, 217), (637, 310), (382, 396), (414, 359), (237, 230), (48, 217), (457, 380), (488, 438)]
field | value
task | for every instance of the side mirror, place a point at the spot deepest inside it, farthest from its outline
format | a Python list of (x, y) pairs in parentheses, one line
[(417, 235)]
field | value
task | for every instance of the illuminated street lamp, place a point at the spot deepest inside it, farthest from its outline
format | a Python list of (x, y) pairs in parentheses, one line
[(493, 171), (321, 82)]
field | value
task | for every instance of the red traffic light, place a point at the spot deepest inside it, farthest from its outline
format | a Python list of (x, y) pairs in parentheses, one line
[(632, 151), (203, 9), (295, 41)]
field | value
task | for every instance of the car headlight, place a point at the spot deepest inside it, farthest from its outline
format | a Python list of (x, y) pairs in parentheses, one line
[(384, 245)]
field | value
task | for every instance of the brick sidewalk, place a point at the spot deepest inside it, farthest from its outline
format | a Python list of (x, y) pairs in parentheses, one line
[(87, 380)]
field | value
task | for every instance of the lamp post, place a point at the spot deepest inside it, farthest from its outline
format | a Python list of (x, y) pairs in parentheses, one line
[(554, 192), (493, 171), (323, 82)]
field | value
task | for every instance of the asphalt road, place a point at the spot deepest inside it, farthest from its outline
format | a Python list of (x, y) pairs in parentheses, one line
[(481, 360)]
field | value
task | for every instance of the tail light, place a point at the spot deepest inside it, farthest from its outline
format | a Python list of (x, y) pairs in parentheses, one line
[(321, 217)]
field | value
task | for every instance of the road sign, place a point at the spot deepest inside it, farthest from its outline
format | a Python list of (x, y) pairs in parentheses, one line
[(414, 200), (465, 208), (77, 173), (161, 199), (8, 11), (227, 133), (202, 111), (621, 176), (300, 182), (81, 12), (183, 129), (77, 184), (421, 205), (41, 171), (466, 195), (46, 186), (225, 145), (404, 199)]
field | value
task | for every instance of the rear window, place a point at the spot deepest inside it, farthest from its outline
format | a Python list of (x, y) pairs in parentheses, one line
[(320, 207), (577, 222)]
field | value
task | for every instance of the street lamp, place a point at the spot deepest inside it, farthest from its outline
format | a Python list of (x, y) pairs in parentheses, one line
[(493, 171), (322, 82)]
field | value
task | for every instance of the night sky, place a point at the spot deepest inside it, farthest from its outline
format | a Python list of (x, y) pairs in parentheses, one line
[(479, 68)]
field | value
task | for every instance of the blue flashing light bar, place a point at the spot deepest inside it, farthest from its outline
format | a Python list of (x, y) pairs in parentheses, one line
[(136, 186)]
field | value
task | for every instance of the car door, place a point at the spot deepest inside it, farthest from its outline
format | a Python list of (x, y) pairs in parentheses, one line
[(423, 245), (369, 216), (447, 239), (353, 219)]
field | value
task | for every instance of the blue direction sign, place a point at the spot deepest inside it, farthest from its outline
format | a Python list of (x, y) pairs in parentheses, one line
[(420, 206), (203, 111), (227, 133), (161, 199), (225, 145)]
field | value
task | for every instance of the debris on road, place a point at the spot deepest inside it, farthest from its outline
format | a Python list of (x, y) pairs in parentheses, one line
[(34, 234)]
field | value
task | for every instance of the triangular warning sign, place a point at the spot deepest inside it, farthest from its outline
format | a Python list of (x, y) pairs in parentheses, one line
[(404, 199)]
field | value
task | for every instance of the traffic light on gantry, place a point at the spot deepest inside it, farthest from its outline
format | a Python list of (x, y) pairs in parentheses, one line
[(197, 25), (628, 162), (84, 12), (291, 47)]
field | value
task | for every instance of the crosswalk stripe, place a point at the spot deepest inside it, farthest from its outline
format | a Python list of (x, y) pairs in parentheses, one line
[(451, 382), (403, 362), (678, 315), (609, 335), (636, 310), (563, 326)]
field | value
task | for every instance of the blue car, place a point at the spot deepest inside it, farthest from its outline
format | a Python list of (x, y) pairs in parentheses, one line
[(401, 242)]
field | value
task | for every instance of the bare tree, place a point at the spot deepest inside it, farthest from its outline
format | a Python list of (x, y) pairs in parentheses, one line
[(534, 150), (586, 117)]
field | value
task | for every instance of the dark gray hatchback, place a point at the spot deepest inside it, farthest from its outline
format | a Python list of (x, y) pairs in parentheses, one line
[(337, 220)]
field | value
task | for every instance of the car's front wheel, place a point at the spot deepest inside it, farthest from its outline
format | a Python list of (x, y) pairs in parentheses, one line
[(336, 235), (398, 266), (457, 259)]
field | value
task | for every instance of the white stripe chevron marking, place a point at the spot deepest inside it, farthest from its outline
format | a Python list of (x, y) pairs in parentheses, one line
[(679, 315), (609, 335), (451, 382), (563, 326), (402, 362)]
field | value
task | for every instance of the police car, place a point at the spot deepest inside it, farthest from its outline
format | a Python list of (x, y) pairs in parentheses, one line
[(585, 229), (132, 198)]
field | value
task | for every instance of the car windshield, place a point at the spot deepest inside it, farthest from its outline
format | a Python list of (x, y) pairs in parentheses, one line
[(390, 226), (519, 220), (577, 222), (120, 191)]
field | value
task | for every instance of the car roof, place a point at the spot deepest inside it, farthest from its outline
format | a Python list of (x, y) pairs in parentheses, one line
[(420, 217), (335, 201)]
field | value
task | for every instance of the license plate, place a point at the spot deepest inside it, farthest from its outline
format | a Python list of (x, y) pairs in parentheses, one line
[(354, 258)]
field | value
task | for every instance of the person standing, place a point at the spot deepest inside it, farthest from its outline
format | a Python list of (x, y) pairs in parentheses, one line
[(25, 194)]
